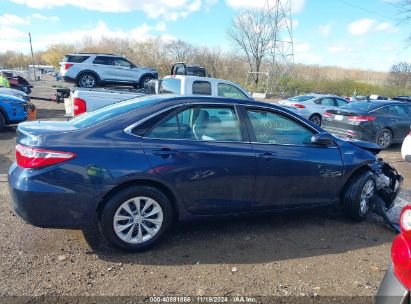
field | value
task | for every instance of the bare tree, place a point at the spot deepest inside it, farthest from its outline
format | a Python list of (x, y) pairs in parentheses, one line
[(254, 32), (400, 74)]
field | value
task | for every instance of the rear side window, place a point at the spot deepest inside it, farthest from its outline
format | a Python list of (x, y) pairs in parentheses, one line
[(201, 88), (103, 60), (170, 86), (328, 102), (75, 58), (228, 90)]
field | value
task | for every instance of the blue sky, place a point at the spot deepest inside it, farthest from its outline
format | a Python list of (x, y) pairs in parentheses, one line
[(362, 34)]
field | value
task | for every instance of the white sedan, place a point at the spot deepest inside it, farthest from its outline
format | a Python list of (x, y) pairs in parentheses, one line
[(406, 148)]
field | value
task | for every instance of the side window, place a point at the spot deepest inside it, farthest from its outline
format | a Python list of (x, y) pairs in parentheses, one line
[(341, 102), (328, 102), (228, 90), (199, 123), (274, 128), (121, 62), (398, 111), (201, 88), (170, 86), (103, 60)]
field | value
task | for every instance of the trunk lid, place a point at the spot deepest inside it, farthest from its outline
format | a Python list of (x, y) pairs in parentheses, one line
[(30, 133)]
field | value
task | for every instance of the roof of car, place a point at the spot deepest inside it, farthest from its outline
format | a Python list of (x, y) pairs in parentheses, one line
[(92, 54)]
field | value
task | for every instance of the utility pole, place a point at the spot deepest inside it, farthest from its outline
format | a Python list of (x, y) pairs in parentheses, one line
[(32, 58)]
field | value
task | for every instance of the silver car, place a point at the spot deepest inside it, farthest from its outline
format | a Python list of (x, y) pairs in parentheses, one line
[(313, 106), (89, 70)]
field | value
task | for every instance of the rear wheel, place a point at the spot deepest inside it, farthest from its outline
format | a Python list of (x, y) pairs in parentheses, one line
[(316, 119), (357, 197), (87, 80), (384, 138), (136, 218)]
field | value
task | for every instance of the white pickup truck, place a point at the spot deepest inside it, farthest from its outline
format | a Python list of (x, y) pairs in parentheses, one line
[(85, 100)]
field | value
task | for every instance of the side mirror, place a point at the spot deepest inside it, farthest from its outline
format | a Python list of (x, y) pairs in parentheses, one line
[(321, 139)]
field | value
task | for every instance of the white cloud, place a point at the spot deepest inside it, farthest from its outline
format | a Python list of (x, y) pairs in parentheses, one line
[(386, 27), (325, 29), (302, 47), (11, 20), (167, 9), (361, 27), (14, 39), (296, 5), (42, 17)]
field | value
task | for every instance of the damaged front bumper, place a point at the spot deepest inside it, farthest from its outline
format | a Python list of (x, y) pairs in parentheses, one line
[(388, 184)]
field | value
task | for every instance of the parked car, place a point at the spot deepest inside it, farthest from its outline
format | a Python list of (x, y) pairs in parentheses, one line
[(139, 165), (377, 97), (14, 92), (86, 100), (382, 122), (406, 148), (403, 98), (89, 70), (313, 106), (12, 110), (20, 83), (395, 287), (358, 98)]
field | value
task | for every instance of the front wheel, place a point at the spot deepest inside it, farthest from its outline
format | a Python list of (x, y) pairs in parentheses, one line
[(356, 200), (145, 80), (2, 121), (136, 218)]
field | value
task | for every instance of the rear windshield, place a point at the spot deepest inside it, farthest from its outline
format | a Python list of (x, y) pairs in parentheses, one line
[(364, 106), (301, 98), (91, 118), (75, 58), (170, 86)]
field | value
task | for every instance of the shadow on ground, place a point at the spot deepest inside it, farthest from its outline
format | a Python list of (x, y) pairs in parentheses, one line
[(257, 239)]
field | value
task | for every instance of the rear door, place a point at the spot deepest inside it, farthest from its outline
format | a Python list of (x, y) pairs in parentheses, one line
[(204, 152), (103, 66), (291, 172), (399, 117)]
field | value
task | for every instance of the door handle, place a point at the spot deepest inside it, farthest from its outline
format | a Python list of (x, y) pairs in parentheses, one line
[(267, 156), (165, 152)]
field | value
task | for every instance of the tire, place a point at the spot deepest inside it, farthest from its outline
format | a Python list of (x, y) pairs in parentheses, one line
[(356, 200), (316, 119), (384, 138), (2, 121), (133, 230), (144, 80), (87, 80)]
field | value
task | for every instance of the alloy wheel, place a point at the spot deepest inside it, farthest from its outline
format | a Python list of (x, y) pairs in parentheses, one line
[(366, 194), (88, 81), (384, 139), (138, 220)]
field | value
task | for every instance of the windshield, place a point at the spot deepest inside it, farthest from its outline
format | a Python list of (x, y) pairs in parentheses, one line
[(363, 106), (113, 110), (301, 98)]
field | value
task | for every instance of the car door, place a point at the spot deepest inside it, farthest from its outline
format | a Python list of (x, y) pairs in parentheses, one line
[(203, 151), (290, 170), (103, 66), (123, 70), (399, 117)]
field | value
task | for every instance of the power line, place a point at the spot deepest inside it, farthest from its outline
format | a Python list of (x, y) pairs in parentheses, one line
[(366, 10)]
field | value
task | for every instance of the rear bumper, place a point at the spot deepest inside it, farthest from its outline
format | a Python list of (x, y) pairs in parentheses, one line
[(68, 79), (46, 205), (391, 290)]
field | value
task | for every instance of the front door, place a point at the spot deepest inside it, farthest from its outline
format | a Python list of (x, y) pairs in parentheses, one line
[(205, 154), (291, 171)]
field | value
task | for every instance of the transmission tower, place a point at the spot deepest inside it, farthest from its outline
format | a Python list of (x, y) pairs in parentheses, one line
[(282, 51)]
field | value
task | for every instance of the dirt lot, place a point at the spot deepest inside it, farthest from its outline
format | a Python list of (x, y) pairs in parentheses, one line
[(300, 253)]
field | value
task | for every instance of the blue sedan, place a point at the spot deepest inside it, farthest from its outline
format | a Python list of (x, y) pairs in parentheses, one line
[(138, 166)]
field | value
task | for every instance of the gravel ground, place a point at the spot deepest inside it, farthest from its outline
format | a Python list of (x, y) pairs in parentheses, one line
[(316, 252)]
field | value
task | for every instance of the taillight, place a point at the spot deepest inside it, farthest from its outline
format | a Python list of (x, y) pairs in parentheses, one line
[(66, 66), (361, 118), (28, 157), (328, 114), (297, 105), (401, 249), (79, 106)]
